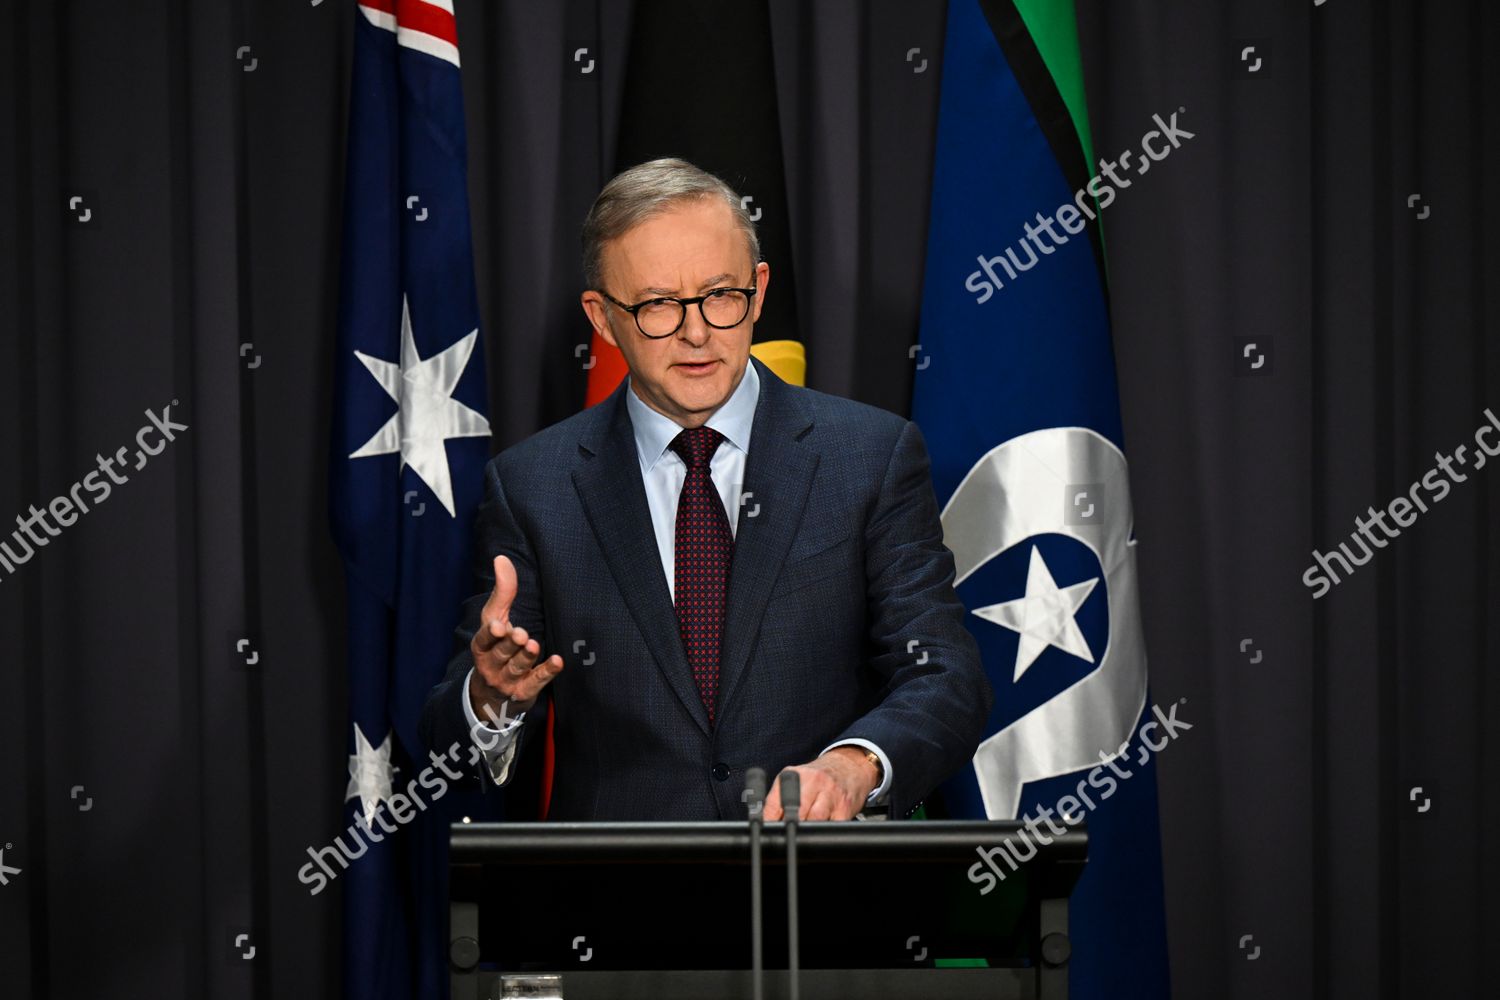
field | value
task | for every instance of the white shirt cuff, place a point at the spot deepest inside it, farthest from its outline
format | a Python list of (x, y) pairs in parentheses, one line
[(496, 745), (877, 796)]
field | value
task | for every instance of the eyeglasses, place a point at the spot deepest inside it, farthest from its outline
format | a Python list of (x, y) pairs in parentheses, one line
[(722, 309)]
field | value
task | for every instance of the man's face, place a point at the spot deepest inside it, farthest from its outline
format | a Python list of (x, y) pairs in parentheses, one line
[(686, 251)]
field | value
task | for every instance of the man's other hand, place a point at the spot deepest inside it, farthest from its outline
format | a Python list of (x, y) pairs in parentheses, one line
[(835, 786), (507, 678)]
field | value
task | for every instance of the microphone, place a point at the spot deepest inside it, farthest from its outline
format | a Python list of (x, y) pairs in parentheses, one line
[(791, 803), (755, 798)]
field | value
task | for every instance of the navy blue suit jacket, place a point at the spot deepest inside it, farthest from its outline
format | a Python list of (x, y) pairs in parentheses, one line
[(841, 622)]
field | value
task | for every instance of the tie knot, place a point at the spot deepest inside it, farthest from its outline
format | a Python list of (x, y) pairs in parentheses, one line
[(697, 445)]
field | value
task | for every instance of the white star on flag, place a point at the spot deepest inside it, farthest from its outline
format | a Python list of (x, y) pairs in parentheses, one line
[(427, 414), (370, 773), (1044, 617)]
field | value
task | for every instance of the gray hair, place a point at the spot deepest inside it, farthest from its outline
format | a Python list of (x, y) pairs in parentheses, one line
[(645, 191)]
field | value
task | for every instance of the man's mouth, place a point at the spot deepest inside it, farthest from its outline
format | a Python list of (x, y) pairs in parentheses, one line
[(695, 367)]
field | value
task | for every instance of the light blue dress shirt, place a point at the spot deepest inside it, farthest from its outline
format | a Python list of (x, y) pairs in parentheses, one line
[(663, 472)]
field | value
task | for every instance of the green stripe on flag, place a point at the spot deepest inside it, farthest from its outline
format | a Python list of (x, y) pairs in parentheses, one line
[(1054, 30)]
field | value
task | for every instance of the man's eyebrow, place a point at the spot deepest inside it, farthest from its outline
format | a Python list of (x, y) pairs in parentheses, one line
[(717, 279)]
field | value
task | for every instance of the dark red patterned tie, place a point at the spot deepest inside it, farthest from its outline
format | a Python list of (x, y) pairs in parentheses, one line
[(701, 561)]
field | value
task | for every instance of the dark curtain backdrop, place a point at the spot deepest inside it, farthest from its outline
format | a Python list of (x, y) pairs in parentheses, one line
[(172, 711)]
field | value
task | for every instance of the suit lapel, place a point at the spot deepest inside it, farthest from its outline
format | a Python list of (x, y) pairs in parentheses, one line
[(778, 475), (778, 472), (608, 480)]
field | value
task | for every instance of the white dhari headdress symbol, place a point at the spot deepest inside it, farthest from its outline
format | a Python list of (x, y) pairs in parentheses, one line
[(1015, 492)]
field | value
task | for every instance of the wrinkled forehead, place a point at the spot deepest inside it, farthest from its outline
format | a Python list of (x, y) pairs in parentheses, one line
[(686, 246)]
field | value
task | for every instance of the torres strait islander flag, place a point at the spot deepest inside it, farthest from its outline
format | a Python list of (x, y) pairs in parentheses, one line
[(410, 441), (1015, 392)]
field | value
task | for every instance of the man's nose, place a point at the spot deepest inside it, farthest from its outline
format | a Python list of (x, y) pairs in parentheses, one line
[(695, 330)]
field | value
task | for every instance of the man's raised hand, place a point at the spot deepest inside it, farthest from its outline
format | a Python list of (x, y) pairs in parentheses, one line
[(507, 678)]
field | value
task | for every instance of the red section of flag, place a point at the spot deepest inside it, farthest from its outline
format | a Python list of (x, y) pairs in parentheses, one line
[(428, 19), (608, 371), (417, 15), (549, 761)]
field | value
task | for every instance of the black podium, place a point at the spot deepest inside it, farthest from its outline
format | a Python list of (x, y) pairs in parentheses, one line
[(662, 911)]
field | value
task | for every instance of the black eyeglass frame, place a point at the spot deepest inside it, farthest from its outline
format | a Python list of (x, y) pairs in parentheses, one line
[(696, 300)]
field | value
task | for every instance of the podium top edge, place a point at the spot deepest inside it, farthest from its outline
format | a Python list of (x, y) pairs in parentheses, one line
[(907, 840)]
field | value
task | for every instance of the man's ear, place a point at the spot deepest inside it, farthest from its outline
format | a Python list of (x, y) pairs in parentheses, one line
[(762, 282), (597, 311)]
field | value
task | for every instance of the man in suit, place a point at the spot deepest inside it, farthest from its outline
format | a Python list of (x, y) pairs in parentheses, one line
[(735, 571)]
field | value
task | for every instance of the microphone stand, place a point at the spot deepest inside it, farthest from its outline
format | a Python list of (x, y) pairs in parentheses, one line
[(791, 803), (755, 797)]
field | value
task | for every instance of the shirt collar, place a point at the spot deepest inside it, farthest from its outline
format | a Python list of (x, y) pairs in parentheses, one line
[(655, 432)]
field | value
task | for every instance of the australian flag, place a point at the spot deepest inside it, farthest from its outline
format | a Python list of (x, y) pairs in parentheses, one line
[(1015, 392), (410, 440)]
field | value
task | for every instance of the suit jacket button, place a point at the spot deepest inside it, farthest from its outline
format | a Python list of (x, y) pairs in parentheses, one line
[(720, 772)]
